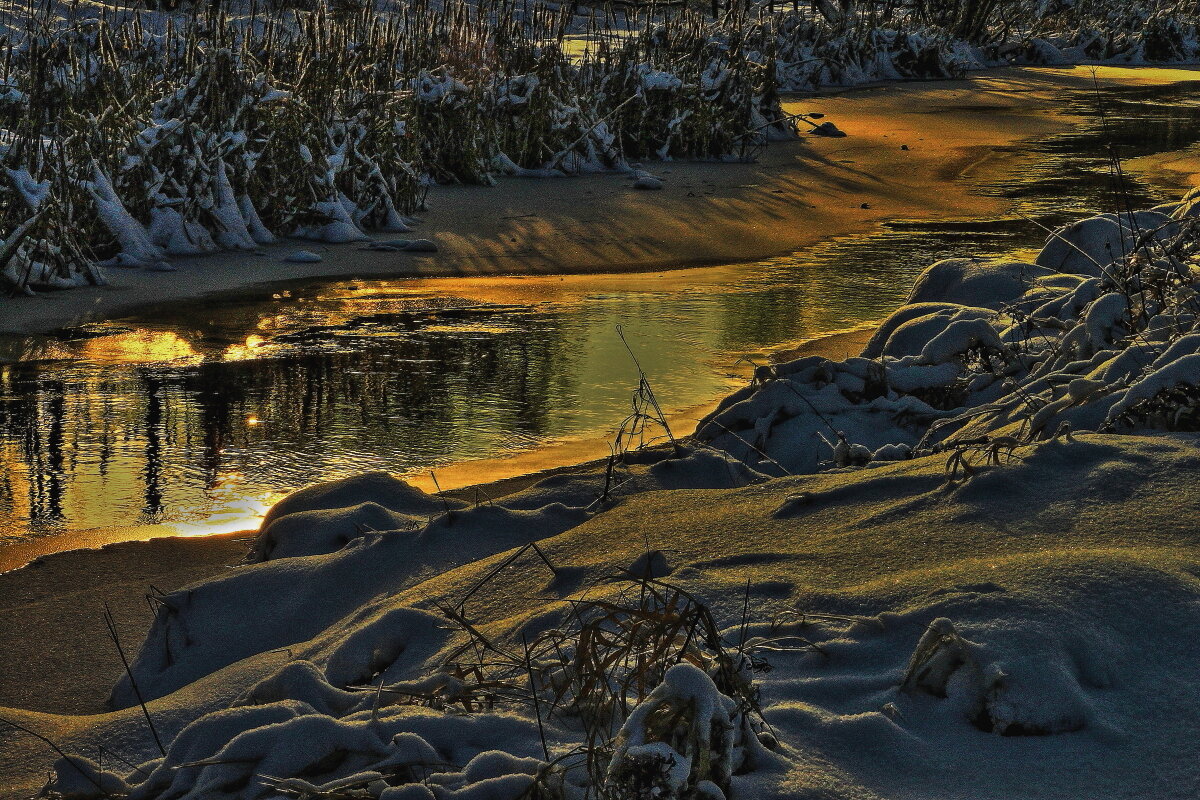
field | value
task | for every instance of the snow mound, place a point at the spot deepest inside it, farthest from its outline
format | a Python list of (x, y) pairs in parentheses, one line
[(903, 636), (1092, 246), (982, 283), (325, 517), (303, 257), (371, 487), (327, 550), (987, 355)]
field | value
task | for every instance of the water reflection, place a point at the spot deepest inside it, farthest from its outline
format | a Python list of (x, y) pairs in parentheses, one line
[(203, 415)]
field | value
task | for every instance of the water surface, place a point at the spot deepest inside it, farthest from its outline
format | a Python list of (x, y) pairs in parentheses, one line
[(201, 415)]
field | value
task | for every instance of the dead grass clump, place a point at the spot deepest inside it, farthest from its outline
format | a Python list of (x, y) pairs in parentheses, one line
[(608, 658)]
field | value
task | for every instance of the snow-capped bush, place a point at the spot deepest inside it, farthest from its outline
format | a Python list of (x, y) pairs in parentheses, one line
[(1098, 335)]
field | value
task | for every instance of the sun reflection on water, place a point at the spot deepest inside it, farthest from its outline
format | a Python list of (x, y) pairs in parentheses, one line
[(232, 507), (139, 346)]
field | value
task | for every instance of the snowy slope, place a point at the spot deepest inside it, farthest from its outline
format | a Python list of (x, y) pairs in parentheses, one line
[(963, 565), (1041, 611)]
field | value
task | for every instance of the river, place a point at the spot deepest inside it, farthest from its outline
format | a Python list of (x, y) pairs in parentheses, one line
[(194, 419)]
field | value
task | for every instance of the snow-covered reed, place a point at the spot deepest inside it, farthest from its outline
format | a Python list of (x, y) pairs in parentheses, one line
[(129, 137), (851, 43), (607, 670)]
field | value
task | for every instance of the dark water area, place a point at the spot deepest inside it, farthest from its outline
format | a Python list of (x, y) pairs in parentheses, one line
[(202, 414)]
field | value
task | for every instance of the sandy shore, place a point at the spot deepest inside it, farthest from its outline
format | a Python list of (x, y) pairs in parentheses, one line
[(54, 652), (795, 195)]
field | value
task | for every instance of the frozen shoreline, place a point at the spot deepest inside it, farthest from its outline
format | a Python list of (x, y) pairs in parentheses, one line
[(1041, 595), (958, 133), (953, 128), (798, 193)]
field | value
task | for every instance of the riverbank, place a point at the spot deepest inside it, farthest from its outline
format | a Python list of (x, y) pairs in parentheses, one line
[(961, 114), (969, 113), (907, 144), (58, 673), (976, 613)]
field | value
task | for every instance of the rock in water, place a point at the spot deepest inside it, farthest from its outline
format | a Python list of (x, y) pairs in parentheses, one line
[(828, 129), (648, 183), (303, 257)]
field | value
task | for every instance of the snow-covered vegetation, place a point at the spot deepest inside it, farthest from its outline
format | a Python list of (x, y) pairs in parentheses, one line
[(131, 136), (935, 570), (1097, 334), (850, 43)]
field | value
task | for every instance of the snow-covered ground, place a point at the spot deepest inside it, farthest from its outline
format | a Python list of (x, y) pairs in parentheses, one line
[(962, 565), (132, 138), (1034, 610)]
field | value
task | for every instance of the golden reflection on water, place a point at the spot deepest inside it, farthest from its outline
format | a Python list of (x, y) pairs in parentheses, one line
[(232, 507), (195, 418), (139, 347), (195, 422)]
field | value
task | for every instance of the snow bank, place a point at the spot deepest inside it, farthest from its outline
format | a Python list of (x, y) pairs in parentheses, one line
[(987, 355), (923, 638), (324, 552)]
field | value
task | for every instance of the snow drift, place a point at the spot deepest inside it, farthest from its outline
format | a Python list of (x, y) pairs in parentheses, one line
[(962, 564)]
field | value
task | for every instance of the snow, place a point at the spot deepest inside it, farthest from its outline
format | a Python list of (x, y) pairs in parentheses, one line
[(233, 230), (981, 283), (984, 639), (943, 592), (988, 351), (178, 183), (339, 229), (317, 560), (136, 247), (656, 80), (709, 750), (962, 564), (1091, 246), (827, 128)]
